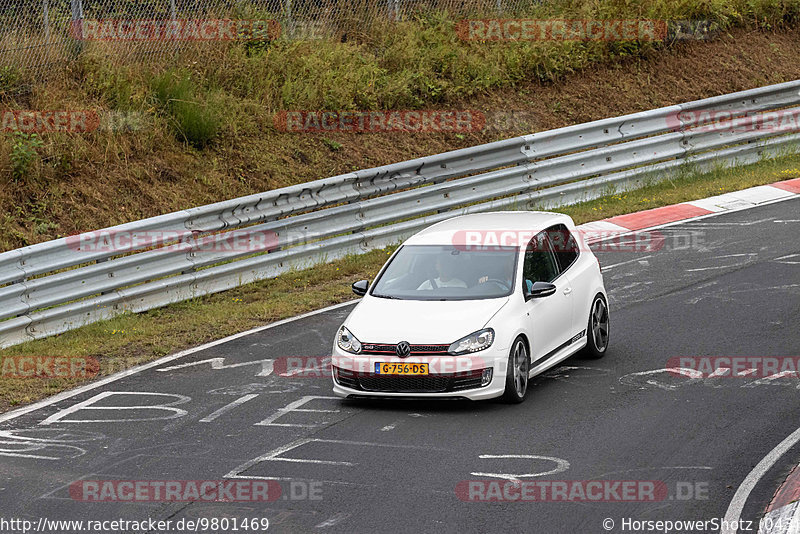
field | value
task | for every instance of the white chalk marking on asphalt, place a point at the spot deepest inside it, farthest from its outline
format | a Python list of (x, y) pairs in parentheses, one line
[(29, 456), (609, 267), (634, 284), (561, 466), (78, 436), (692, 374), (295, 407), (161, 361), (219, 363), (748, 254), (771, 378), (272, 456), (323, 366), (727, 372), (228, 407), (89, 476), (734, 512), (783, 259), (390, 426), (33, 446), (333, 520), (87, 405)]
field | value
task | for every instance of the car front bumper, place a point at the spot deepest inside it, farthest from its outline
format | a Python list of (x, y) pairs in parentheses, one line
[(354, 376)]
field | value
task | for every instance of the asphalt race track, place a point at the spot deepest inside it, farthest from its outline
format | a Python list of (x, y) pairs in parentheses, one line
[(727, 285)]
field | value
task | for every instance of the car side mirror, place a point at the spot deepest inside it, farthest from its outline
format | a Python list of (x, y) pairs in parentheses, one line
[(360, 287), (539, 290)]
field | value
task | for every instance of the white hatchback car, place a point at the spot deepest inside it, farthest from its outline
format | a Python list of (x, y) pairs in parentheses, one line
[(473, 307)]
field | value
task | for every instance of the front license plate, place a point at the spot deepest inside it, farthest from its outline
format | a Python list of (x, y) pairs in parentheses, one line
[(401, 368)]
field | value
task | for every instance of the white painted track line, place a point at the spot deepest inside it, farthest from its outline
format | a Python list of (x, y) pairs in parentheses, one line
[(734, 512)]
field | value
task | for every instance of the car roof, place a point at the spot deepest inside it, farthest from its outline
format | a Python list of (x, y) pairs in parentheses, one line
[(533, 222)]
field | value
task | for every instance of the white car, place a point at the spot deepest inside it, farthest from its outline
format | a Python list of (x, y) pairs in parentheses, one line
[(473, 307)]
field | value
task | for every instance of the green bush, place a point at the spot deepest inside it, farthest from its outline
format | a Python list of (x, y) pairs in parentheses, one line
[(10, 79), (24, 152), (195, 120)]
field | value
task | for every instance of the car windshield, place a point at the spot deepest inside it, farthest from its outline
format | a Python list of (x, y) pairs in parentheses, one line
[(446, 272)]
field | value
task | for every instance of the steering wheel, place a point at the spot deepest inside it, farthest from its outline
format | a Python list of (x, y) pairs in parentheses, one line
[(502, 283)]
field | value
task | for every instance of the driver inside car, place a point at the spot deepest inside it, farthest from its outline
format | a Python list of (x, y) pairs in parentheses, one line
[(445, 267)]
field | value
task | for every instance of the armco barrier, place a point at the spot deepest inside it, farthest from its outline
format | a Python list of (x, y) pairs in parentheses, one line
[(59, 285)]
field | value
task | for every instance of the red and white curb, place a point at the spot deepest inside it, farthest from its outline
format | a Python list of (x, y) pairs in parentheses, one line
[(782, 516), (737, 200)]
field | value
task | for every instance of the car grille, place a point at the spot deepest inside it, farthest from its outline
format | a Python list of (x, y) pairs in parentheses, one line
[(384, 348), (415, 384), (468, 381), (410, 384)]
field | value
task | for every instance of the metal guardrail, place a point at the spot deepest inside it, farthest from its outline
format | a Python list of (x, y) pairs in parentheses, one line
[(59, 285)]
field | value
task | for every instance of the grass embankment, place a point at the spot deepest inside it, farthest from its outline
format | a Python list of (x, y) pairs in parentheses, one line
[(205, 114), (135, 338)]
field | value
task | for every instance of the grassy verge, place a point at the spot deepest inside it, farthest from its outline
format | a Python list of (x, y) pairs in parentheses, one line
[(135, 338)]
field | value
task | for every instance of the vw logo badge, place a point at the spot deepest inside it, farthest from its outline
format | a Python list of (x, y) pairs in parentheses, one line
[(403, 349)]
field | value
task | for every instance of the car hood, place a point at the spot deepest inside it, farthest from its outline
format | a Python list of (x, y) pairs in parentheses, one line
[(378, 320)]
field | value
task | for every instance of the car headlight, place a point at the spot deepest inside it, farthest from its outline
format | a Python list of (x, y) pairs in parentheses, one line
[(482, 339), (346, 341)]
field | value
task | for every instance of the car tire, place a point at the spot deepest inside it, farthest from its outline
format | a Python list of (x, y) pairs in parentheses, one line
[(517, 370), (597, 329)]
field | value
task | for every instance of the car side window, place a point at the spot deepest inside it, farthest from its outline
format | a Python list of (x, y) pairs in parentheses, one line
[(539, 264), (565, 247)]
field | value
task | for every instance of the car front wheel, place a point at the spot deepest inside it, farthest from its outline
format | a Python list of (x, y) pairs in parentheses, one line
[(517, 372)]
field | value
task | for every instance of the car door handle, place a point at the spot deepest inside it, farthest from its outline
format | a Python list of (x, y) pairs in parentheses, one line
[(567, 290)]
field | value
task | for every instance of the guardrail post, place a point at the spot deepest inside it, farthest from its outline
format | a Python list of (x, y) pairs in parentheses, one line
[(46, 20)]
